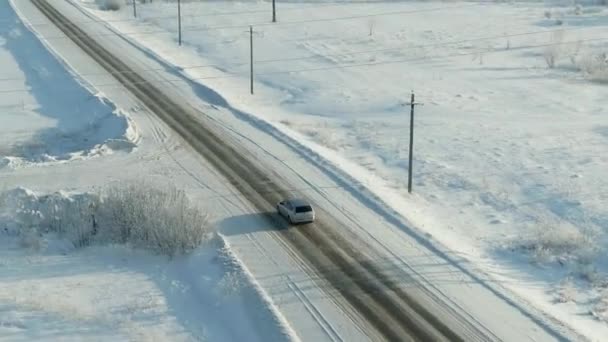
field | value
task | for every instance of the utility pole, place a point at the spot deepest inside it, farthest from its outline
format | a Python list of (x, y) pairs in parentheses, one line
[(134, 8), (251, 32), (179, 22), (274, 12), (251, 58), (411, 156)]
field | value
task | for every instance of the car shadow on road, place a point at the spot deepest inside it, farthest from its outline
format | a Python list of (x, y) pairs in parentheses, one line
[(251, 223)]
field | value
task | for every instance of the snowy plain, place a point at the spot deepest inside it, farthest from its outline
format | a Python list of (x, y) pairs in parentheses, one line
[(50, 290), (510, 151), (354, 118), (66, 140)]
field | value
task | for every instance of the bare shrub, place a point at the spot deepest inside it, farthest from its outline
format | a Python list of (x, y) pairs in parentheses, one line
[(594, 66), (231, 283), (561, 242), (159, 219), (588, 273), (566, 292), (371, 24), (72, 217), (30, 239), (573, 50), (600, 309), (553, 52)]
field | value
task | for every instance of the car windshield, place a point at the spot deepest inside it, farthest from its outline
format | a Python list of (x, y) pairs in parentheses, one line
[(303, 209)]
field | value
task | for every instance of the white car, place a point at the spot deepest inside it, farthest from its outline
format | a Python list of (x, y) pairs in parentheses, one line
[(296, 211)]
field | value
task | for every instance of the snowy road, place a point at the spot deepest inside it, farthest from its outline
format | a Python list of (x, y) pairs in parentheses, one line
[(420, 271)]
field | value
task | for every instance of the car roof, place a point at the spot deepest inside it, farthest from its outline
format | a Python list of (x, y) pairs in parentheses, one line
[(298, 202)]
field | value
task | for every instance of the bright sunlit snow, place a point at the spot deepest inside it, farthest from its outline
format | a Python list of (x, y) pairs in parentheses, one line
[(510, 141), (51, 288), (510, 155), (46, 114)]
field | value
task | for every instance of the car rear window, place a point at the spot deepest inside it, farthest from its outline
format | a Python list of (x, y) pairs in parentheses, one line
[(303, 209)]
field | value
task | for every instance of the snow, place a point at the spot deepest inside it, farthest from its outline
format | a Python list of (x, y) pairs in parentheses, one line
[(507, 149), (491, 161), (62, 141), (51, 289), (47, 114)]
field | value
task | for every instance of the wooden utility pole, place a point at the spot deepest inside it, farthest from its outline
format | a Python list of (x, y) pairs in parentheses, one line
[(179, 22), (412, 104), (251, 58), (274, 12), (251, 32), (134, 8)]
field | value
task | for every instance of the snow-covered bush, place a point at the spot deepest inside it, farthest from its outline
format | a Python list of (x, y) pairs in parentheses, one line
[(138, 214), (553, 52), (231, 283), (600, 309), (594, 66), (566, 291), (159, 219), (588, 273), (560, 242), (110, 5), (30, 239)]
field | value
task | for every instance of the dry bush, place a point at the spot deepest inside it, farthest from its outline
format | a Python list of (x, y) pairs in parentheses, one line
[(145, 216), (594, 66), (160, 219), (560, 242), (566, 292), (552, 53), (600, 309)]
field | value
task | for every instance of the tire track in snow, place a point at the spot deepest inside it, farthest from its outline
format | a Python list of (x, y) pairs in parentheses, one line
[(310, 307)]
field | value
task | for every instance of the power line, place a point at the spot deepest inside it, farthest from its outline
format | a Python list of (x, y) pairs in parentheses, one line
[(439, 44), (283, 23), (334, 67), (524, 47), (468, 40), (290, 9)]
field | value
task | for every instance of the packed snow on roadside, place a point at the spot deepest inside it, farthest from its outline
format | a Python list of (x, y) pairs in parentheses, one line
[(47, 115), (55, 286), (511, 140)]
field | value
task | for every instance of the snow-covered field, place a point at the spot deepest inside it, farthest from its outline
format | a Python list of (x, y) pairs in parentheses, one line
[(52, 290), (511, 142), (510, 154), (63, 138)]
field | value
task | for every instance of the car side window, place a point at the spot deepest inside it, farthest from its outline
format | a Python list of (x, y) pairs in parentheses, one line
[(288, 205)]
